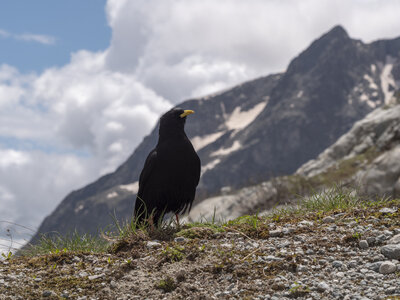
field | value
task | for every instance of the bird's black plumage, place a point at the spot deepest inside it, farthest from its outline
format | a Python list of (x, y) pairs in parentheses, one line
[(171, 172)]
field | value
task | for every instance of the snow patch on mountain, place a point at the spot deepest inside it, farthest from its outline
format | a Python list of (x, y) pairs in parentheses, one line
[(210, 165), (388, 83), (132, 187), (372, 84), (225, 151), (240, 119), (112, 195), (200, 142), (370, 103)]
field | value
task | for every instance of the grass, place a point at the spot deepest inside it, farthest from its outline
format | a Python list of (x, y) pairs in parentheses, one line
[(74, 242), (131, 235)]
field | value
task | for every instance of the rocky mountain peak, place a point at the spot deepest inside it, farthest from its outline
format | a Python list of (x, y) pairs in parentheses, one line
[(337, 32), (331, 48)]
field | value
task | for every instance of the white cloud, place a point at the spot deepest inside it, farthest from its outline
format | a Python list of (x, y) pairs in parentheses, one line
[(64, 127), (4, 33), (29, 37), (40, 38), (11, 157), (72, 124), (165, 42)]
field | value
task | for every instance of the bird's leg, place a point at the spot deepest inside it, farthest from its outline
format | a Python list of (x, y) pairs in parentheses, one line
[(151, 223), (177, 220)]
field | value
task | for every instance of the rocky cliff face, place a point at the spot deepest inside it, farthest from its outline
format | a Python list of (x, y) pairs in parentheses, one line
[(263, 128), (370, 153), (366, 158)]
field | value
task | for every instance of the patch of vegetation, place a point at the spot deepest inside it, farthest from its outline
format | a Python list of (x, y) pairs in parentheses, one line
[(250, 225), (299, 290), (75, 242), (344, 169), (173, 253), (201, 232), (167, 284)]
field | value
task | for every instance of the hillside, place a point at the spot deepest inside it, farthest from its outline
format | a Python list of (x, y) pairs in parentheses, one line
[(258, 130), (330, 247), (367, 157)]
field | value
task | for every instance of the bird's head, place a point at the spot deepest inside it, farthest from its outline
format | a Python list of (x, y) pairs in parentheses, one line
[(174, 119)]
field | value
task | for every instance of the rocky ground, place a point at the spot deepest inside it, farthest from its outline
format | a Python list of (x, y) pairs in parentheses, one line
[(341, 254)]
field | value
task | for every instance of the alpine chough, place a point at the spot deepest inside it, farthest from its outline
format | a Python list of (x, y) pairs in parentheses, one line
[(171, 172)]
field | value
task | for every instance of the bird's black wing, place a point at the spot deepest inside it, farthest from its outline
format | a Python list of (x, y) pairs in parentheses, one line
[(148, 168), (198, 169), (141, 205)]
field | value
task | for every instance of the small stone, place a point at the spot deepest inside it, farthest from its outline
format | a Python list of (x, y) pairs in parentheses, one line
[(352, 264), (47, 293), (113, 284), (379, 257), (153, 245), (387, 210), (363, 244), (306, 223), (179, 239), (226, 245), (83, 274), (93, 277), (391, 251), (288, 230), (275, 233), (323, 262), (388, 233), (272, 258), (381, 238), (395, 239), (340, 274), (322, 286), (328, 219), (65, 295), (37, 279), (337, 264), (391, 290), (374, 266), (387, 267), (302, 268), (370, 240)]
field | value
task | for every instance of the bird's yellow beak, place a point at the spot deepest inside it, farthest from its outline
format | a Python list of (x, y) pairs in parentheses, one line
[(186, 113)]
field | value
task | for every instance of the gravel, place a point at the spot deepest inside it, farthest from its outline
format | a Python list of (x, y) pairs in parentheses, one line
[(302, 259)]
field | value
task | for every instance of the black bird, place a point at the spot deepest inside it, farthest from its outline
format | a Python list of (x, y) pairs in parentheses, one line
[(171, 172)]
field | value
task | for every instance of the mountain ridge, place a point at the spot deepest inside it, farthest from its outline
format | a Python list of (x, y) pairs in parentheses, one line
[(263, 128)]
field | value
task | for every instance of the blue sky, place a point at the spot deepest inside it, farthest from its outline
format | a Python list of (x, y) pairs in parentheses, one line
[(74, 25)]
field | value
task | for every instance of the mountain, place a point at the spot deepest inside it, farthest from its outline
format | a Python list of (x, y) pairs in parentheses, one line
[(257, 130), (367, 157)]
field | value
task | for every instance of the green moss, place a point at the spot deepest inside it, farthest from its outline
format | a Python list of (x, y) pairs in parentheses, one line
[(196, 232), (173, 253), (167, 284)]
